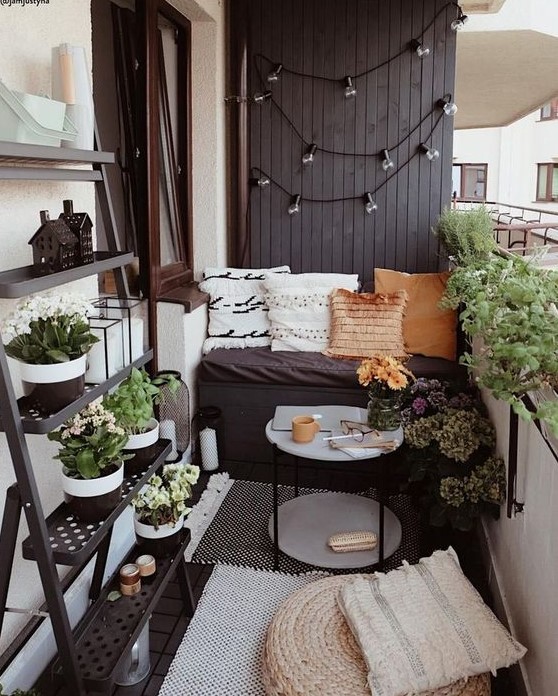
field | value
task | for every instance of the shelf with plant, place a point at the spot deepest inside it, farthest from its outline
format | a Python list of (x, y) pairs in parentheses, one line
[(509, 306)]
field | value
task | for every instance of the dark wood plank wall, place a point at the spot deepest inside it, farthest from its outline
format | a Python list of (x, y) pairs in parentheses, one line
[(336, 38)]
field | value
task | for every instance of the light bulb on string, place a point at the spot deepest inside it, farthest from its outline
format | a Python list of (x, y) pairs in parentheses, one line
[(261, 97), (273, 75), (262, 181), (387, 162), (294, 207), (430, 152), (448, 105), (420, 49), (308, 156), (370, 205), (459, 22), (350, 89)]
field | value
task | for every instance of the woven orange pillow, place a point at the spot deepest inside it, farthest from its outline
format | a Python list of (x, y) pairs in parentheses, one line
[(427, 329), (366, 324)]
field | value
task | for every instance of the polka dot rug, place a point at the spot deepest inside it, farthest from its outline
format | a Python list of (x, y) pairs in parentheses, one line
[(230, 527), (221, 652)]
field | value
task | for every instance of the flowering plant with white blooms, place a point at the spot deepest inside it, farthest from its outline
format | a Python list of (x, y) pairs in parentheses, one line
[(162, 499), (49, 329), (91, 443)]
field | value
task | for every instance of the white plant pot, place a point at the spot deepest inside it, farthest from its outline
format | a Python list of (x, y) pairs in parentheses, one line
[(58, 372), (149, 437), (92, 500), (160, 542), (50, 388)]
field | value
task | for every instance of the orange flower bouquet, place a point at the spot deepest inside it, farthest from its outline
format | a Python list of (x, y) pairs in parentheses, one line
[(386, 378)]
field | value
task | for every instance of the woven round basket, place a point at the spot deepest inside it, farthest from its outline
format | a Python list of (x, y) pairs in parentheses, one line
[(310, 650)]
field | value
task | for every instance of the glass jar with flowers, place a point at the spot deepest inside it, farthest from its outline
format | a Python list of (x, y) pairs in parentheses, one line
[(92, 459), (386, 378), (49, 336), (160, 508)]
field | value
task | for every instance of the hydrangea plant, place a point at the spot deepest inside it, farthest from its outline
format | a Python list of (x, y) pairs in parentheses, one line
[(163, 499), (449, 443), (49, 329)]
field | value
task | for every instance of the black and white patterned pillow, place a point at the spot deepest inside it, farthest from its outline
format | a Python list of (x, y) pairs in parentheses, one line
[(238, 314)]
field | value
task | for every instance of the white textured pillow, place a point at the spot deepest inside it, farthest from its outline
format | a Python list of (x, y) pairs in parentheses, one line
[(424, 626), (238, 315), (299, 308)]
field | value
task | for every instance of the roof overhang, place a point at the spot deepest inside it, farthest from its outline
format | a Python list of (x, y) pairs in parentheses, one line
[(503, 76)]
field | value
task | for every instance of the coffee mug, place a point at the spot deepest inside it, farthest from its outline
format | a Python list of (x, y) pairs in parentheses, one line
[(304, 428)]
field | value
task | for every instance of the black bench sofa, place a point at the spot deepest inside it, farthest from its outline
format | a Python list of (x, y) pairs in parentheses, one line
[(247, 384)]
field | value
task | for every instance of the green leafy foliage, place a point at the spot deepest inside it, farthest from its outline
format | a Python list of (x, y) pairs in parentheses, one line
[(467, 235), (90, 442), (509, 304), (20, 692), (133, 401), (52, 341)]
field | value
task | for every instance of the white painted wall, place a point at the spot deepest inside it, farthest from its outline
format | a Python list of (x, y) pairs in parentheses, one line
[(537, 15), (30, 32), (523, 553)]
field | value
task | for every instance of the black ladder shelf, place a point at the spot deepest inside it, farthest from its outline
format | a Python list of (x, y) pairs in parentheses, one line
[(54, 540)]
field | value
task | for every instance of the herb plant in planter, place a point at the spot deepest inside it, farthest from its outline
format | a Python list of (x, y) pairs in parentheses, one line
[(132, 404), (49, 336), (92, 457)]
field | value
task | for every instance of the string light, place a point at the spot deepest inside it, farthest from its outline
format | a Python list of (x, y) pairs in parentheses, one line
[(308, 156), (294, 207), (261, 97), (273, 75), (387, 162), (459, 22), (262, 181), (350, 89), (419, 48), (430, 152), (448, 106), (370, 204)]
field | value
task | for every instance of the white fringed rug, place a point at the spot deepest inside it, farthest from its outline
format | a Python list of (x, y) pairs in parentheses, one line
[(221, 652)]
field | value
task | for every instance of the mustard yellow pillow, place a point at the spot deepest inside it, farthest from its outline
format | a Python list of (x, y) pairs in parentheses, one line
[(366, 324), (427, 329)]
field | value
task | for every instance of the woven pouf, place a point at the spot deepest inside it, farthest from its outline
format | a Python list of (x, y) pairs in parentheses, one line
[(310, 650)]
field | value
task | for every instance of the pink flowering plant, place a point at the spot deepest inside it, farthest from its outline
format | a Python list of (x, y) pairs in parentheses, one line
[(91, 442)]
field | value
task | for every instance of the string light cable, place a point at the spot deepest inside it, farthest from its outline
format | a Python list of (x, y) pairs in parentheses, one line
[(455, 25)]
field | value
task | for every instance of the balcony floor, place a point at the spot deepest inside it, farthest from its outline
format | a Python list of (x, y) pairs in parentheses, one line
[(167, 625)]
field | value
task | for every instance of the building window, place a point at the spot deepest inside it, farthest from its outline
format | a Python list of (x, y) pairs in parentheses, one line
[(550, 111), (547, 182), (469, 181)]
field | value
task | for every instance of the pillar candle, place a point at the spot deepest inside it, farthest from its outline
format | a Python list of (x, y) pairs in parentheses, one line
[(167, 430), (208, 448), (99, 365)]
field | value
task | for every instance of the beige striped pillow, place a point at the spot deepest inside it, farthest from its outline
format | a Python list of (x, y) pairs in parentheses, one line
[(366, 324)]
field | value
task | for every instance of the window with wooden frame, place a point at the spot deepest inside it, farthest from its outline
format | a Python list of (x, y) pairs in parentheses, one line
[(547, 182), (469, 181), (164, 126), (549, 112)]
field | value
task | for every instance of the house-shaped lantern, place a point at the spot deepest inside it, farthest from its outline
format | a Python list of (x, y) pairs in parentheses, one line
[(82, 227), (55, 246)]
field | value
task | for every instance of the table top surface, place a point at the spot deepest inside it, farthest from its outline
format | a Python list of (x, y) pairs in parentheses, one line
[(320, 449)]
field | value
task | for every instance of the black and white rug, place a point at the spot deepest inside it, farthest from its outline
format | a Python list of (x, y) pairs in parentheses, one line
[(229, 526)]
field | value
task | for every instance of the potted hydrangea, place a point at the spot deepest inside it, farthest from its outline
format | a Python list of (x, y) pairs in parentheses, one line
[(160, 508), (49, 336), (387, 379), (92, 459)]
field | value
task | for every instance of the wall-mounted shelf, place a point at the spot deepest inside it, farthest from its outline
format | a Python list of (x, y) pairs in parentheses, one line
[(73, 542), (19, 282), (22, 154)]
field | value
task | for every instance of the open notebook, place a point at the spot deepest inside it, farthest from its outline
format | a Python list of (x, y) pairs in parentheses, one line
[(331, 416)]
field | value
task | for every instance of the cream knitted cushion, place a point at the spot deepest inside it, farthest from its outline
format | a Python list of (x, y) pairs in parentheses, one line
[(428, 620)]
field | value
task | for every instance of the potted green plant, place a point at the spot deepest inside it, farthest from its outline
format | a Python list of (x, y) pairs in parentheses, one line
[(467, 235), (49, 336), (132, 404), (92, 456), (160, 508)]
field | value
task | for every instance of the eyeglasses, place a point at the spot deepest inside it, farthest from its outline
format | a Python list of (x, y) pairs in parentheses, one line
[(356, 430)]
